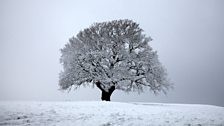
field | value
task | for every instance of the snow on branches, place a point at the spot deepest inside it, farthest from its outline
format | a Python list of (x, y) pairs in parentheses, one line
[(109, 54)]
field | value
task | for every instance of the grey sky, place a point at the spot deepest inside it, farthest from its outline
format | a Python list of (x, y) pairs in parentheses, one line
[(188, 35)]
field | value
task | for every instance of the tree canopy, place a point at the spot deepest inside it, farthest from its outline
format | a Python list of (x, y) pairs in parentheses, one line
[(112, 55)]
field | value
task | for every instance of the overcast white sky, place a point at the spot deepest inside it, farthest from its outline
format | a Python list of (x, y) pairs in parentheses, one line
[(188, 35)]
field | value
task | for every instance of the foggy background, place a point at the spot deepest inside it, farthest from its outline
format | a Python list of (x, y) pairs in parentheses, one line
[(188, 35)]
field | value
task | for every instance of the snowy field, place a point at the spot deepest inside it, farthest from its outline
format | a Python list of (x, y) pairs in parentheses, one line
[(100, 113)]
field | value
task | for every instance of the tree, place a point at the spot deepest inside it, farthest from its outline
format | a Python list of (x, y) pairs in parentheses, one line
[(112, 55)]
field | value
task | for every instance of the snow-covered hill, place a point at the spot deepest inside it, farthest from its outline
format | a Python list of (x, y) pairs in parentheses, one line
[(100, 113)]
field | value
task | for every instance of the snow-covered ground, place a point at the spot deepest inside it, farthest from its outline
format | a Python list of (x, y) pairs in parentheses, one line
[(98, 113)]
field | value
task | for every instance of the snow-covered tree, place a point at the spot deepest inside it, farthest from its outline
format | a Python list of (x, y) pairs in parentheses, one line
[(112, 55)]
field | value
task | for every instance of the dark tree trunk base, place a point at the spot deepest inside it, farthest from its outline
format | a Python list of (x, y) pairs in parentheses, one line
[(105, 96)]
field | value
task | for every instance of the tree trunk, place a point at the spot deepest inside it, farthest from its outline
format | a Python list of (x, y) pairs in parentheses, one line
[(105, 94)]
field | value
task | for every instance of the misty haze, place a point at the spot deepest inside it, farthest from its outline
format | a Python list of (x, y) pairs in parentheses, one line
[(157, 62)]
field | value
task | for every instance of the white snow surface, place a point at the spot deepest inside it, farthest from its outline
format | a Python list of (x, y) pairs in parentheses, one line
[(100, 113)]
